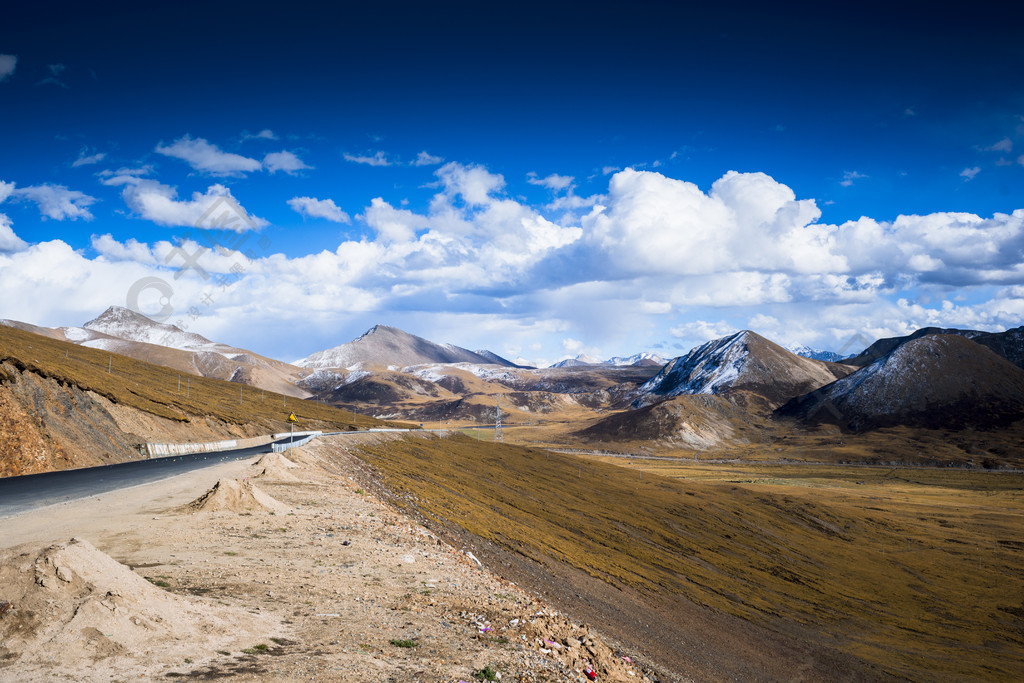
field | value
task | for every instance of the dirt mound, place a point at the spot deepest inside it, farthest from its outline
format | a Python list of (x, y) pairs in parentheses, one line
[(235, 495), (75, 609), (274, 466), (574, 645)]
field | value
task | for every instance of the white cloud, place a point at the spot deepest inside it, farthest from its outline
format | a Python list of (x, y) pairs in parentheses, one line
[(319, 208), (702, 330), (391, 224), (284, 161), (85, 159), (7, 65), (216, 209), (425, 159), (8, 240), (474, 183), (132, 250), (553, 182), (208, 158), (378, 159), (849, 177), (1005, 145), (57, 201), (656, 259), (265, 134), (969, 173), (124, 175)]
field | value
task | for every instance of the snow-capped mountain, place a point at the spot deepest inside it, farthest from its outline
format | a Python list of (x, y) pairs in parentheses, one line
[(815, 354), (1008, 344), (645, 358), (578, 361), (742, 361), (120, 330), (390, 347), (126, 324), (936, 380)]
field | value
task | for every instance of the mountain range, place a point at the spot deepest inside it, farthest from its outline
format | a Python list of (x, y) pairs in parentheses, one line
[(932, 378), (583, 360)]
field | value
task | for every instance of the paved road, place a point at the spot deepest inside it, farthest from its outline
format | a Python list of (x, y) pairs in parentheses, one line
[(31, 491)]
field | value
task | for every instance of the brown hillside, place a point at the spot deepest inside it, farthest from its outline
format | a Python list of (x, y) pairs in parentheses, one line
[(935, 381), (60, 407)]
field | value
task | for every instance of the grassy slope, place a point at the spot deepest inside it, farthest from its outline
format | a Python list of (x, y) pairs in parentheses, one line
[(835, 559), (154, 388)]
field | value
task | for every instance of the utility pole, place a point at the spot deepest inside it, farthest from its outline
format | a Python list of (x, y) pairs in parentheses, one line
[(498, 436)]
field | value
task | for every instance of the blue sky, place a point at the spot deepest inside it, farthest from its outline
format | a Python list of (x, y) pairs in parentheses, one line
[(541, 179)]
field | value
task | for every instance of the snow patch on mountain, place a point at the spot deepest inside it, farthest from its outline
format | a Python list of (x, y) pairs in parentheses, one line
[(123, 323), (645, 358), (704, 370), (815, 354)]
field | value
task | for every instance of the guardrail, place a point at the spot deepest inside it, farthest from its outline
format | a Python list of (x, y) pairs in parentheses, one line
[(162, 450), (282, 447)]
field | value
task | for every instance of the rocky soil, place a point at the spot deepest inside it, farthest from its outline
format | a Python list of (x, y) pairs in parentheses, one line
[(282, 569)]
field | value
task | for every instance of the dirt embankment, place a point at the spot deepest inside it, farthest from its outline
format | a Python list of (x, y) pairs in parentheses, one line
[(49, 425)]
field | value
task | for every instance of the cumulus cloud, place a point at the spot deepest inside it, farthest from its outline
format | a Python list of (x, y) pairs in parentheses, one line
[(426, 159), (391, 224), (8, 240), (131, 250), (57, 202), (319, 208), (7, 65), (208, 158), (701, 331), (284, 161), (216, 209), (652, 258), (377, 159)]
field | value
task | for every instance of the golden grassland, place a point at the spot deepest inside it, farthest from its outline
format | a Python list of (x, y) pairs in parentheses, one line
[(155, 389), (920, 571)]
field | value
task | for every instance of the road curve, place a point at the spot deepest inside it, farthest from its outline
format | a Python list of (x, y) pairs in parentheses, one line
[(32, 491)]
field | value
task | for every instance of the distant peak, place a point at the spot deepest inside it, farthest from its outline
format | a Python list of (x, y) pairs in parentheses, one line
[(117, 313)]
